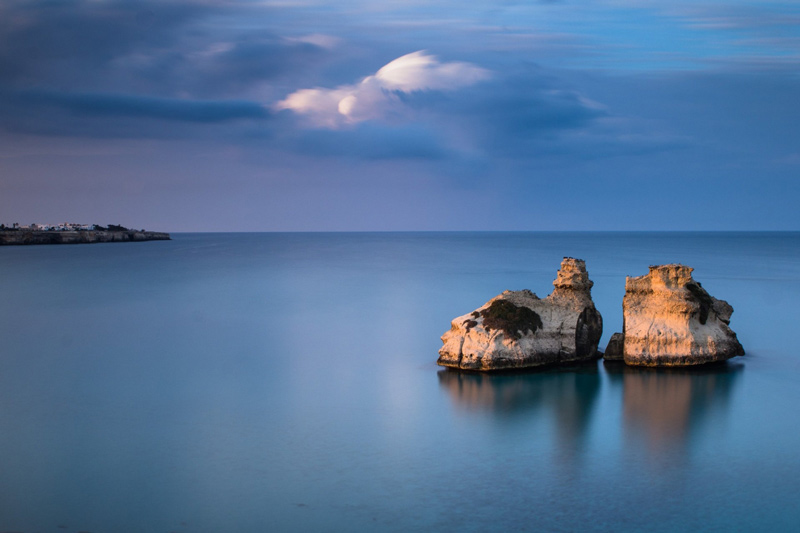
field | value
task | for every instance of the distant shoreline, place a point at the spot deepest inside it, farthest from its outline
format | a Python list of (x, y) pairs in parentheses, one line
[(25, 237)]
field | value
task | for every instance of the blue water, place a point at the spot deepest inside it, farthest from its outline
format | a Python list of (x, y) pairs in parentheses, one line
[(287, 382)]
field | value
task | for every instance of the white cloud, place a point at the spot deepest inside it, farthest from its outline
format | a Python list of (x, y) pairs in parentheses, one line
[(418, 72), (375, 96)]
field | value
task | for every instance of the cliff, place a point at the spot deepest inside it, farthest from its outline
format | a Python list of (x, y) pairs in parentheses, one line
[(19, 237), (517, 329), (669, 319)]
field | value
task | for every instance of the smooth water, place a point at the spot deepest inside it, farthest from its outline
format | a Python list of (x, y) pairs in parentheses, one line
[(287, 382)]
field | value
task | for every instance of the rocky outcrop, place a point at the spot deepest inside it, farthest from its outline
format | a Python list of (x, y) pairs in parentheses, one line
[(13, 237), (670, 320), (615, 348), (517, 329)]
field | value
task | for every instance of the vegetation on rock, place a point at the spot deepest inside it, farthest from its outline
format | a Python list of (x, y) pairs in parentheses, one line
[(514, 321)]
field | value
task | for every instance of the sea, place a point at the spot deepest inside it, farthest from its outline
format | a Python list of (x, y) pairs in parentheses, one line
[(262, 382)]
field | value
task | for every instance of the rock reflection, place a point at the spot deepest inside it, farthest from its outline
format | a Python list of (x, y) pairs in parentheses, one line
[(663, 406), (568, 394)]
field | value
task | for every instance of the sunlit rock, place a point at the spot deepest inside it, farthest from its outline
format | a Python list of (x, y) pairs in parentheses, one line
[(670, 320), (517, 329)]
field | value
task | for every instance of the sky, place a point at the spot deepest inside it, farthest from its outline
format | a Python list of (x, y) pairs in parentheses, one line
[(401, 115)]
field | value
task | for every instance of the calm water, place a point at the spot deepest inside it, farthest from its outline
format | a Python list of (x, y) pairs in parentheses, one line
[(287, 382)]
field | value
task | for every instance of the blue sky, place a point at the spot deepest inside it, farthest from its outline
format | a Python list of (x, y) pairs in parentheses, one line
[(412, 115)]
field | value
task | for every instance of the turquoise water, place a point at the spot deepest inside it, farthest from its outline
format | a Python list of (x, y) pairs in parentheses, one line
[(287, 382)]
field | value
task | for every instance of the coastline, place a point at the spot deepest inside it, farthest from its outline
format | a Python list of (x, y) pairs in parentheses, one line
[(24, 237)]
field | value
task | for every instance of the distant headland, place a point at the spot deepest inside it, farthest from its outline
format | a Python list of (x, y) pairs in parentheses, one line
[(69, 233)]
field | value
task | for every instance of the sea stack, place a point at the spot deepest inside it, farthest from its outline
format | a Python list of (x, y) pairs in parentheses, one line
[(670, 320), (517, 329)]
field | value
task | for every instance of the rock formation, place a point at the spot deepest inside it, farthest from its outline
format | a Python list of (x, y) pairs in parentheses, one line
[(670, 320), (517, 329), (615, 349)]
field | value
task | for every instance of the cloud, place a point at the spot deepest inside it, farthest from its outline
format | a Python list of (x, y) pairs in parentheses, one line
[(122, 105), (420, 72), (521, 112), (404, 111), (231, 67), (167, 48), (380, 95), (116, 115), (45, 42)]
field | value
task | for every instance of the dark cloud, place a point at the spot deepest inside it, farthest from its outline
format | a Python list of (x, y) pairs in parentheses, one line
[(65, 42), (208, 66), (164, 48), (127, 68), (520, 112), (122, 105), (517, 113), (97, 115), (251, 59)]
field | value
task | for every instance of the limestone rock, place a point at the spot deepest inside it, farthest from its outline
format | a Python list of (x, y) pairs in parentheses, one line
[(517, 329), (670, 320)]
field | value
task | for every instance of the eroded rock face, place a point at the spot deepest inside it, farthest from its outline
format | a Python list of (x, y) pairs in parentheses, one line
[(670, 320), (517, 329)]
